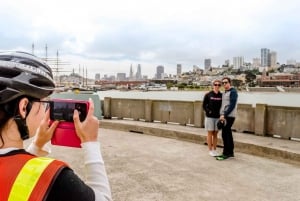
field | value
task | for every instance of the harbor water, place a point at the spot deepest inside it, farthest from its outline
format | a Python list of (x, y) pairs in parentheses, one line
[(270, 98)]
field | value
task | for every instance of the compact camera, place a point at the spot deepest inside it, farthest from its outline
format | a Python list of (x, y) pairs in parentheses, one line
[(63, 110), (221, 124)]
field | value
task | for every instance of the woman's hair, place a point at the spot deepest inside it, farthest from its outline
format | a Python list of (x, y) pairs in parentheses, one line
[(9, 110), (213, 82)]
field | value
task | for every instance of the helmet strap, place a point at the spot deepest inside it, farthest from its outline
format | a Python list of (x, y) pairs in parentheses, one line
[(22, 126), (21, 123)]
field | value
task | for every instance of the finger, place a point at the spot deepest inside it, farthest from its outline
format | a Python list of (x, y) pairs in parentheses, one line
[(91, 108), (45, 119), (53, 126), (47, 115), (76, 117)]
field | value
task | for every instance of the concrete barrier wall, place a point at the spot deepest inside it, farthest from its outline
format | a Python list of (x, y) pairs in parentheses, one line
[(283, 121), (181, 112), (261, 120), (245, 116), (125, 108)]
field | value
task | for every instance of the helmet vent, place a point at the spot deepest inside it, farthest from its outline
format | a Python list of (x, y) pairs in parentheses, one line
[(9, 73), (29, 63), (2, 87), (41, 83)]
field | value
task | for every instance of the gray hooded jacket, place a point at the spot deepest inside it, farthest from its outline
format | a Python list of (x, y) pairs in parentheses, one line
[(229, 103)]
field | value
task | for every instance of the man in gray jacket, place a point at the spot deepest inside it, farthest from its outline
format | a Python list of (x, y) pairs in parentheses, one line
[(227, 115)]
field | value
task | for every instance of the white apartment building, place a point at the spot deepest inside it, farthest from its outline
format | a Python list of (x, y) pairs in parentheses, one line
[(238, 62)]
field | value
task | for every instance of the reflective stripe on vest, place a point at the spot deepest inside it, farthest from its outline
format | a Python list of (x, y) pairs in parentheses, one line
[(28, 178)]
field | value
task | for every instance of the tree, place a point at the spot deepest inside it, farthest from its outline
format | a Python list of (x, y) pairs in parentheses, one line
[(250, 78)]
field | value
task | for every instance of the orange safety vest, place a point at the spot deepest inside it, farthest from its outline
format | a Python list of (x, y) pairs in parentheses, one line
[(24, 177)]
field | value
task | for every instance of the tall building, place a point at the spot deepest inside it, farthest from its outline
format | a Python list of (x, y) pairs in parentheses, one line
[(238, 62), (138, 75), (291, 62), (179, 69), (256, 62), (207, 64), (265, 57), (160, 70), (131, 73), (227, 62), (196, 68), (121, 76), (97, 76), (273, 59)]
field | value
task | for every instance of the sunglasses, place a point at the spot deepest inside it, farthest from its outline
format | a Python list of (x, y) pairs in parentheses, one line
[(217, 85), (45, 104)]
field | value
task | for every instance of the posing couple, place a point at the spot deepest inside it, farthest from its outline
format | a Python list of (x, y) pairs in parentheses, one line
[(220, 109)]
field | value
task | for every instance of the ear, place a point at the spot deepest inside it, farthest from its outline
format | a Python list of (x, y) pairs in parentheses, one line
[(22, 107)]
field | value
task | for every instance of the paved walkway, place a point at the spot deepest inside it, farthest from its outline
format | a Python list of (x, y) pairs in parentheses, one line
[(279, 149), (150, 168)]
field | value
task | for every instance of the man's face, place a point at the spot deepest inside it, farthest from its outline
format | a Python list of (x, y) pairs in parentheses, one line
[(226, 84)]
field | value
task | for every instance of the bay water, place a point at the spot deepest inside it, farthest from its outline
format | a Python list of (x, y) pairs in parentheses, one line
[(289, 99)]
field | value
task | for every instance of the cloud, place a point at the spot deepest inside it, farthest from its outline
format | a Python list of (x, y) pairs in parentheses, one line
[(109, 36)]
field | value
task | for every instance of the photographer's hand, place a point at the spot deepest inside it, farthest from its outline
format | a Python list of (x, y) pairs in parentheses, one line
[(43, 135), (87, 130)]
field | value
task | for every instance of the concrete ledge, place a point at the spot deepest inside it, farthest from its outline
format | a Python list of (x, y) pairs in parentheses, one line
[(284, 150)]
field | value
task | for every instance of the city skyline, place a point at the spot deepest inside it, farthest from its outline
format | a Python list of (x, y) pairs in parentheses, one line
[(108, 36)]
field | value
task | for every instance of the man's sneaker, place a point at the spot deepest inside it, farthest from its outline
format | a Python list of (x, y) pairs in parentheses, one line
[(224, 157)]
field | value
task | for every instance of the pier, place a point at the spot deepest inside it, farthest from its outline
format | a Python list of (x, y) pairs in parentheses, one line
[(145, 162), (155, 150)]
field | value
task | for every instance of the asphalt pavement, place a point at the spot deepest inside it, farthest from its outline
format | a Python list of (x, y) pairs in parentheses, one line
[(145, 167)]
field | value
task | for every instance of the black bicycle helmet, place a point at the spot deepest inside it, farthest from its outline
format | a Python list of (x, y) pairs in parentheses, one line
[(23, 74)]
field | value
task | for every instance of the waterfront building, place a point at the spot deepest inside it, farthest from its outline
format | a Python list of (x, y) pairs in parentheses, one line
[(290, 69), (279, 79)]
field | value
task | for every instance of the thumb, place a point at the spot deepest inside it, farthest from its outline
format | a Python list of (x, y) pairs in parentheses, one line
[(76, 117)]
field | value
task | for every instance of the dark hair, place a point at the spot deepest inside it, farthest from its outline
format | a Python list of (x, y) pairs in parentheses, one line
[(8, 111), (227, 78)]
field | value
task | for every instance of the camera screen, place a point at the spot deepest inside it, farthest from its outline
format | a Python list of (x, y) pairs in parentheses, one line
[(64, 111)]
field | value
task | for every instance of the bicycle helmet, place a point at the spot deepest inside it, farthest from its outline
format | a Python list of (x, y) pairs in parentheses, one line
[(23, 74)]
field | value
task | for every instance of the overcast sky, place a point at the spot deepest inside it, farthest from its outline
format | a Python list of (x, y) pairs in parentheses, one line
[(108, 36)]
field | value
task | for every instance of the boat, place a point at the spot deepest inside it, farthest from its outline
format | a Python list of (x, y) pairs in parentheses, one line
[(156, 87)]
